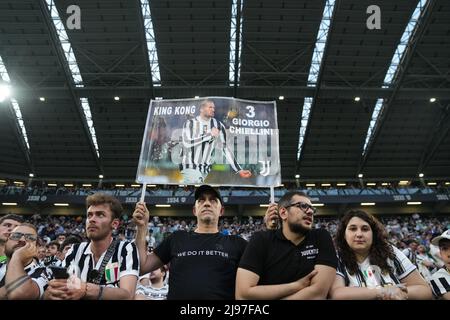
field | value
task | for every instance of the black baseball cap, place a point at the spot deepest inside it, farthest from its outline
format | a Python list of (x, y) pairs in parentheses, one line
[(207, 189)]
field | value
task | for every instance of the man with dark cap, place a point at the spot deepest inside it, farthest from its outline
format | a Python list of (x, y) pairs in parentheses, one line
[(203, 262)]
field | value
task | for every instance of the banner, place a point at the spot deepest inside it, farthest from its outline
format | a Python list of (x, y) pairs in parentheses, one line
[(215, 140)]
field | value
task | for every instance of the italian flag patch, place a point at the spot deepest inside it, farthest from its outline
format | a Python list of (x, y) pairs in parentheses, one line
[(112, 272)]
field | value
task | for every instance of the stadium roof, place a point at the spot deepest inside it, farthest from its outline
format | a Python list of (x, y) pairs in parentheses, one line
[(142, 49)]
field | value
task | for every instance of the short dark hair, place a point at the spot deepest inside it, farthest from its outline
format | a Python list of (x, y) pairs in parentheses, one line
[(11, 216), (101, 198), (69, 241), (54, 243), (287, 198)]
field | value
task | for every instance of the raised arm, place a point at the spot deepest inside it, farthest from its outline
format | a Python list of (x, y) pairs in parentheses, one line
[(148, 262), (18, 284)]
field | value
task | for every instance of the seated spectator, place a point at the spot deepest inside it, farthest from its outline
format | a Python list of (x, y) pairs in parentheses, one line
[(370, 267), (440, 280), (152, 285), (22, 277)]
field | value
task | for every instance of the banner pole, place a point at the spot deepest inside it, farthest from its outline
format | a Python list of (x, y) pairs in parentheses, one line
[(144, 186), (272, 194)]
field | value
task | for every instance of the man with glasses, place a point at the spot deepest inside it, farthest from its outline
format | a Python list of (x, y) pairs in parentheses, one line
[(22, 277), (294, 262), (7, 224)]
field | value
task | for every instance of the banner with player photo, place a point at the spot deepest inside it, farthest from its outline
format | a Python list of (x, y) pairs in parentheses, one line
[(214, 140)]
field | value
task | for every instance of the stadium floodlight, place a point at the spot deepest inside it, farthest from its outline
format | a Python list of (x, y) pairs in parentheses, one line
[(72, 64), (116, 98), (432, 99), (357, 99), (360, 175), (5, 92), (392, 73), (42, 99), (152, 52), (234, 69), (421, 175), (297, 176), (100, 176), (314, 70), (31, 175), (281, 98)]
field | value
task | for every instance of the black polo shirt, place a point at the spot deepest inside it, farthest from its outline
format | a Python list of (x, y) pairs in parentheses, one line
[(277, 260)]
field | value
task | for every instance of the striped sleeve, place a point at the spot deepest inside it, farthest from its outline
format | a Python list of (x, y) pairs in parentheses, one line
[(70, 255), (129, 259), (40, 277), (440, 282), (402, 265)]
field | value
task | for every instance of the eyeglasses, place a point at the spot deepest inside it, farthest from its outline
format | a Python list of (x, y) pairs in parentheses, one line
[(303, 206), (16, 236)]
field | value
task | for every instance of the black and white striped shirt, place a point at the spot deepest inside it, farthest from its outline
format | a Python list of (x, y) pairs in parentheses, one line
[(371, 276), (35, 270), (124, 261), (440, 282), (199, 145)]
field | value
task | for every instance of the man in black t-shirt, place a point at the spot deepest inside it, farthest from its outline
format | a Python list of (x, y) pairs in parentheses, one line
[(294, 262), (203, 263)]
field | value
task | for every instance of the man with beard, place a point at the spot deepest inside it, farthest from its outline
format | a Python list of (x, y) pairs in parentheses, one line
[(7, 224), (22, 277), (294, 262), (106, 268), (203, 262)]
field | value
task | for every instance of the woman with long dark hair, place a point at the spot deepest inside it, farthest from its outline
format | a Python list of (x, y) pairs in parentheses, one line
[(370, 267)]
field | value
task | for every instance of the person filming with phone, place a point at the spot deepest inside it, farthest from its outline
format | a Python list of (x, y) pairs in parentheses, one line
[(106, 268)]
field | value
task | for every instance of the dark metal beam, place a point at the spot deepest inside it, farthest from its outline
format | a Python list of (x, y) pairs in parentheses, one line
[(69, 80), (435, 139), (423, 22), (270, 92), (237, 47)]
